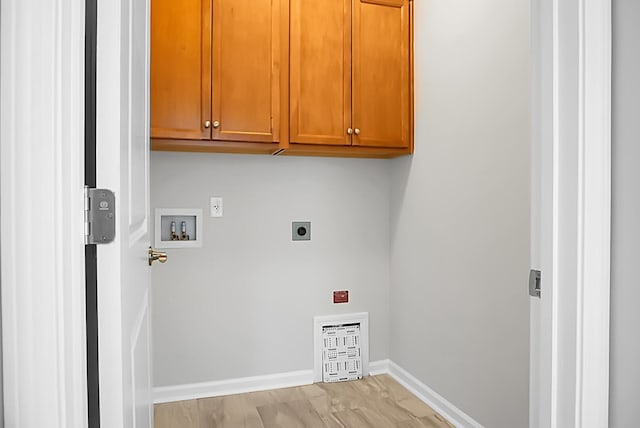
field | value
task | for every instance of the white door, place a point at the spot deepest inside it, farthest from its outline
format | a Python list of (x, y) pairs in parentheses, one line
[(123, 166)]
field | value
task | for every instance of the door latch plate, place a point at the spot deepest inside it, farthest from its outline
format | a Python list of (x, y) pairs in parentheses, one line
[(534, 282)]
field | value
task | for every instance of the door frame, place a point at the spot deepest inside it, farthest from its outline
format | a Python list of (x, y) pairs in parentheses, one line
[(571, 211), (42, 171), (42, 213)]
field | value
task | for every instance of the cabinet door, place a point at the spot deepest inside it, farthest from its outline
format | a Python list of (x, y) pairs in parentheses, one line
[(320, 109), (180, 68), (246, 70), (381, 75)]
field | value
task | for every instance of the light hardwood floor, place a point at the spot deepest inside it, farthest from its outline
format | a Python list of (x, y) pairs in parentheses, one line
[(373, 402)]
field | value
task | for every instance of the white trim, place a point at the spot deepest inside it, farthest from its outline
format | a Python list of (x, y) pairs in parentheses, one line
[(543, 69), (571, 131), (434, 400), (165, 394), (42, 210), (379, 367), (540, 92), (330, 320), (592, 401)]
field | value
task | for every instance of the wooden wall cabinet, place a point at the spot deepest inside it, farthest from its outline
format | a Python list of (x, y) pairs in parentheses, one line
[(351, 78), (216, 74), (292, 77)]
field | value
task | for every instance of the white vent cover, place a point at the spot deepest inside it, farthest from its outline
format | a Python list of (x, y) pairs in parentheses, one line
[(341, 347), (341, 353)]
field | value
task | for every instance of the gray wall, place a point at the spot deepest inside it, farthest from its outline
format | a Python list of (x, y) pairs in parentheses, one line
[(434, 246), (625, 230), (243, 304), (460, 211)]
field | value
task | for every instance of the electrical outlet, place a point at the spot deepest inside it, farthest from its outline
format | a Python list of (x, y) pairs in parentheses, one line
[(216, 207), (301, 231)]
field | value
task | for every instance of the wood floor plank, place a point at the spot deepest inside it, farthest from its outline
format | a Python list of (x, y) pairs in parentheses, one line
[(353, 419), (344, 395), (415, 407), (331, 421), (372, 402), (391, 386), (411, 423), (373, 399), (294, 414), (322, 404), (232, 411), (313, 390), (178, 414), (435, 421)]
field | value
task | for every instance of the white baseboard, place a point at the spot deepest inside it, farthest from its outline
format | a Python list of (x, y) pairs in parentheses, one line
[(166, 394), (438, 403), (379, 367), (457, 417)]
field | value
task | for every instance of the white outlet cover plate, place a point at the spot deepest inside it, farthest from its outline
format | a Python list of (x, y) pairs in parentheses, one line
[(216, 206)]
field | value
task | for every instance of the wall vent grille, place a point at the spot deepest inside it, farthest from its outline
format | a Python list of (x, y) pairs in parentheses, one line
[(340, 347), (341, 353)]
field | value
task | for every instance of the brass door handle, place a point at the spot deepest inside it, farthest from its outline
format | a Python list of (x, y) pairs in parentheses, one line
[(156, 255), (216, 124), (207, 124), (349, 131), (356, 131)]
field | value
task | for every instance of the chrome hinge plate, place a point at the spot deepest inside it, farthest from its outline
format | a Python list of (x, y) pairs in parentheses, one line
[(99, 216)]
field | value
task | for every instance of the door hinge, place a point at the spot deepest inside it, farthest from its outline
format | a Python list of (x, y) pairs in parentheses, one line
[(534, 282), (99, 216)]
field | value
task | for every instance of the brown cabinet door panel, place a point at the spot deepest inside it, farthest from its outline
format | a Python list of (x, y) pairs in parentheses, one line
[(381, 74), (180, 68), (320, 79), (246, 70)]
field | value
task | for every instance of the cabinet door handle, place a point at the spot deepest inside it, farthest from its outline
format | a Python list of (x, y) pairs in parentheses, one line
[(207, 124), (357, 131), (216, 124), (349, 131)]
